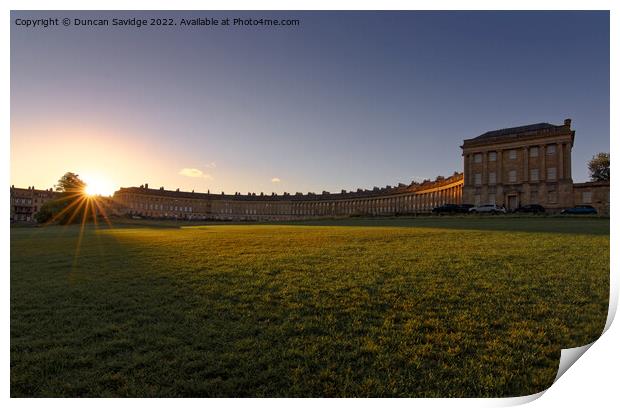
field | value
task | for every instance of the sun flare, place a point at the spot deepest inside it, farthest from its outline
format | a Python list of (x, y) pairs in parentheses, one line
[(97, 186)]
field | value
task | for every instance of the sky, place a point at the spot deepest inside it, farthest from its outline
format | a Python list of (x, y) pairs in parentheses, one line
[(344, 100)]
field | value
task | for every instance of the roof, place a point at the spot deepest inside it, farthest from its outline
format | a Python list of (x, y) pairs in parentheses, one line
[(291, 197), (516, 130)]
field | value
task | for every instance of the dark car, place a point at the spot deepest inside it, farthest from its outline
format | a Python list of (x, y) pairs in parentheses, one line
[(580, 210), (531, 208), (464, 208), (446, 209), (452, 209)]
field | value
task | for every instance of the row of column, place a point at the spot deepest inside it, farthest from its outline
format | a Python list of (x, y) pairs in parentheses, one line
[(563, 169), (415, 202), (411, 203)]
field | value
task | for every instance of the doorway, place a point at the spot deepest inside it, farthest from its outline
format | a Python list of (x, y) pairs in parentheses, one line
[(513, 202)]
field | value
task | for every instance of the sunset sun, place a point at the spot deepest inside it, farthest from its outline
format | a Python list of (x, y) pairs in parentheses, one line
[(97, 185)]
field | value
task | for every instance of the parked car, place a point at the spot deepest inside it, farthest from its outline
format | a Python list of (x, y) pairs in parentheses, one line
[(452, 209), (487, 209), (531, 208), (580, 210), (446, 209)]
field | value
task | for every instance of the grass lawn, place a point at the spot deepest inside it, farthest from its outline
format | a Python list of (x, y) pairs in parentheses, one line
[(423, 307)]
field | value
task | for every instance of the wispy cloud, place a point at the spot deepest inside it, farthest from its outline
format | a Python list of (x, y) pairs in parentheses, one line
[(189, 172), (211, 165), (275, 180)]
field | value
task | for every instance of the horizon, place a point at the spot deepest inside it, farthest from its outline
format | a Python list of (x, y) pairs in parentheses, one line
[(345, 100)]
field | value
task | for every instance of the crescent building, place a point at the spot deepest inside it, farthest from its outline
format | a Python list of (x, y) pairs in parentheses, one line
[(508, 167)]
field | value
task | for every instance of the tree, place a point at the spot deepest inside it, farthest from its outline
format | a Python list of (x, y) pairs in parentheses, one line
[(69, 206), (599, 167), (49, 209), (70, 184)]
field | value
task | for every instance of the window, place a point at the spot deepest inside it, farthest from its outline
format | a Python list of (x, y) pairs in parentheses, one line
[(492, 178), (552, 196), (533, 196), (586, 197), (492, 199), (477, 179), (512, 154), (492, 156), (551, 173), (478, 158), (551, 149), (477, 200), (534, 175), (512, 176), (534, 151)]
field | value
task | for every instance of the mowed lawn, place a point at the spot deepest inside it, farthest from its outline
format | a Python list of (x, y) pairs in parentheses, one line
[(397, 307)]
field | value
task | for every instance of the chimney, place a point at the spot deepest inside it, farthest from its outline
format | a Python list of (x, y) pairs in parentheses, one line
[(567, 122)]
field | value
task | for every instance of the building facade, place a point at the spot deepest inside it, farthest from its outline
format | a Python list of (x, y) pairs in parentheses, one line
[(519, 166), (507, 167), (26, 202), (404, 199)]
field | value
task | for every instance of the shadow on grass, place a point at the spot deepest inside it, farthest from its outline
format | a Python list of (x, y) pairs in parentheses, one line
[(546, 224), (568, 225)]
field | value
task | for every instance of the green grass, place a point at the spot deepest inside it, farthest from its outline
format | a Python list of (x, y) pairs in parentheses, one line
[(361, 307)]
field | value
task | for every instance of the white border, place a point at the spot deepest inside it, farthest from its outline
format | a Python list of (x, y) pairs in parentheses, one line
[(591, 381)]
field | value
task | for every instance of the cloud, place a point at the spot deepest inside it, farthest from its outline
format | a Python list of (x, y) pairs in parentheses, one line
[(210, 165), (187, 172), (275, 180)]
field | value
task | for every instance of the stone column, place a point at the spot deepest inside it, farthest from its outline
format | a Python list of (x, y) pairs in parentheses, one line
[(542, 172), (498, 176), (471, 174), (485, 169), (568, 169), (526, 167), (560, 161)]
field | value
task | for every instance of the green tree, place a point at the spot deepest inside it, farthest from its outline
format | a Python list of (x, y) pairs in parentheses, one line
[(49, 209), (69, 206), (599, 167), (70, 184)]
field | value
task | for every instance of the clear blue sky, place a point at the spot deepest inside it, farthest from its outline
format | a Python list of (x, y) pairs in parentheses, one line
[(345, 100)]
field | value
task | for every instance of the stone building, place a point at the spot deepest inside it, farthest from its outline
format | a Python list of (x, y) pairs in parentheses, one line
[(26, 202), (594, 193), (510, 167), (521, 165), (527, 165), (403, 199)]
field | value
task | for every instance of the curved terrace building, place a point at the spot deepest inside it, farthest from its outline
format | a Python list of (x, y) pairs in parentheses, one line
[(403, 199), (507, 167)]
